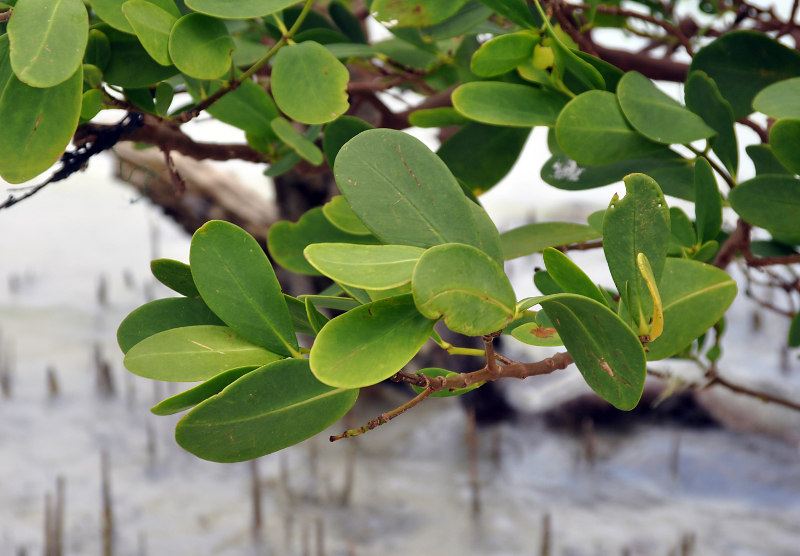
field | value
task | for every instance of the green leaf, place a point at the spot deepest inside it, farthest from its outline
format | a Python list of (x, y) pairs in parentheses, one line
[(130, 65), (316, 319), (534, 334), (545, 284), (702, 97), (742, 63), (163, 314), (779, 100), (193, 353), (37, 125), (238, 9), (784, 138), (437, 117), (514, 10), (681, 230), (98, 50), (175, 275), (656, 115), (5, 63), (499, 147), (569, 276), (533, 238), (163, 98), (91, 104), (708, 204), (764, 160), (193, 396), (637, 223), (672, 172), (385, 168), (152, 25), (466, 287), (592, 130), (266, 410), (110, 11), (200, 46), (770, 201), (794, 331), (346, 21), (248, 107), (299, 315), (414, 13), (332, 302), (371, 267), (434, 372), (694, 296), (607, 353), (309, 83), (370, 343), (502, 54), (289, 135), (341, 215), (48, 39), (236, 280), (339, 132), (509, 104), (287, 240)]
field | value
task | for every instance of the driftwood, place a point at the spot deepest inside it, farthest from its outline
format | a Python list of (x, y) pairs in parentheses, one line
[(207, 194)]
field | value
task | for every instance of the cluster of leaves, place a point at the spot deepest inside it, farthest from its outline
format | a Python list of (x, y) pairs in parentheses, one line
[(407, 243)]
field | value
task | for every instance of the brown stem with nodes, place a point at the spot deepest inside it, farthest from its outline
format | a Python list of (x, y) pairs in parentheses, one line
[(432, 385)]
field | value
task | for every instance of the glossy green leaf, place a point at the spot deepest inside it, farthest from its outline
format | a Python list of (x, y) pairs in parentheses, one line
[(287, 240), (332, 302), (672, 172), (681, 230), (371, 267), (545, 284), (780, 100), (794, 331), (499, 147), (466, 287), (784, 138), (193, 396), (48, 39), (770, 201), (414, 13), (236, 280), (610, 74), (708, 202), (370, 343), (437, 117), (289, 135), (91, 104), (5, 63), (657, 314), (637, 223), (164, 96), (384, 168), (514, 10), (299, 315), (110, 11), (341, 215), (200, 46), (266, 410), (309, 84), (569, 276), (742, 63), (434, 372), (193, 353), (702, 97), (346, 21), (533, 334), (37, 125), (152, 25), (656, 115), (339, 132), (163, 314), (533, 238), (503, 53), (238, 9), (98, 49), (764, 160), (694, 296), (414, 55), (316, 319), (130, 65), (605, 350), (175, 275), (592, 130), (508, 104), (248, 107)]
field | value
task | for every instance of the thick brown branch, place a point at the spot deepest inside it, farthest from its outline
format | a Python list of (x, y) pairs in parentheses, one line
[(738, 240), (654, 68)]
